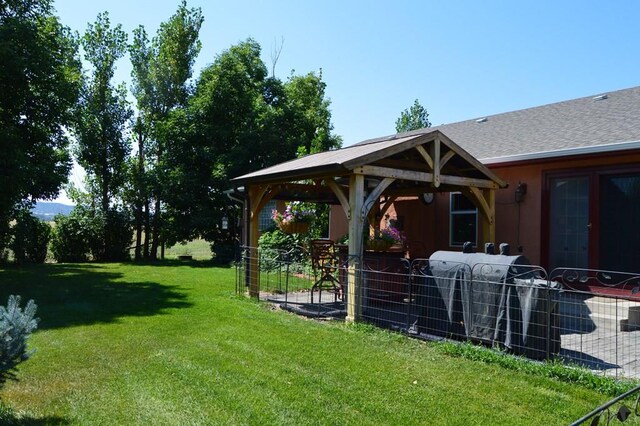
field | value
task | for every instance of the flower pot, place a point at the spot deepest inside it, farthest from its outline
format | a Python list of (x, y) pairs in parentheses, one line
[(378, 245), (295, 227)]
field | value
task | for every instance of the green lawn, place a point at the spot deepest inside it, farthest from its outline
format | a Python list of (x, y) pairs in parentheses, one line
[(171, 344), (198, 249)]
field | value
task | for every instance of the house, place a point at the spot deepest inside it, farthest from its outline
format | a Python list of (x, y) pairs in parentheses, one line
[(560, 183), (573, 174)]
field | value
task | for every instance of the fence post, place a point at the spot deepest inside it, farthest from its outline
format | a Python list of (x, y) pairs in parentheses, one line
[(549, 328)]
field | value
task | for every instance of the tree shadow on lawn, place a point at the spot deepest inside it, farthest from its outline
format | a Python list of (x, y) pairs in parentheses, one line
[(194, 263), (33, 421), (70, 295)]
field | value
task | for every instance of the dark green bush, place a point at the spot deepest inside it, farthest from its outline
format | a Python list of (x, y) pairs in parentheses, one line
[(29, 238), (275, 242), (72, 235), (118, 234), (87, 233)]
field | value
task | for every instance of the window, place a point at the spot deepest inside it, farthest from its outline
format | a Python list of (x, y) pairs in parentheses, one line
[(264, 221), (463, 221)]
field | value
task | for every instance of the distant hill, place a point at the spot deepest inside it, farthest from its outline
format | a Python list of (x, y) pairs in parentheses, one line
[(46, 210)]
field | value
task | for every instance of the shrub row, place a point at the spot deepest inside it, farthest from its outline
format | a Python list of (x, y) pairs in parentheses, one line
[(83, 235)]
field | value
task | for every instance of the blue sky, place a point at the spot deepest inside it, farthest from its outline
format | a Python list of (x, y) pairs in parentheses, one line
[(461, 60)]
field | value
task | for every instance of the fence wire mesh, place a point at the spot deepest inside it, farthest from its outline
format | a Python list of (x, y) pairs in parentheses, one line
[(519, 308)]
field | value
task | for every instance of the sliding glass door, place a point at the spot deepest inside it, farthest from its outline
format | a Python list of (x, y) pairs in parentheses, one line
[(594, 220), (619, 233), (569, 222)]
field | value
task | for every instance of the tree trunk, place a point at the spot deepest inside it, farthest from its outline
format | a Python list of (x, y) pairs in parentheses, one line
[(138, 214), (155, 242), (139, 193), (106, 183), (147, 230)]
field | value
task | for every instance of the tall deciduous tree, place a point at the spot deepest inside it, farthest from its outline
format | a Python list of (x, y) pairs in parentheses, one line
[(313, 130), (102, 147), (413, 118), (161, 71), (239, 120), (39, 83), (103, 112)]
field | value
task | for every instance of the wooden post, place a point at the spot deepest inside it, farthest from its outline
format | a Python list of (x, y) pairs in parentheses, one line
[(489, 223), (356, 222), (485, 201), (254, 273)]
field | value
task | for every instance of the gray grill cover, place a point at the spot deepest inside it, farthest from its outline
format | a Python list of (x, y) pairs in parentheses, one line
[(493, 298)]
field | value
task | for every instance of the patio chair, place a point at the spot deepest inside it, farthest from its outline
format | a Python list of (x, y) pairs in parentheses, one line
[(324, 261)]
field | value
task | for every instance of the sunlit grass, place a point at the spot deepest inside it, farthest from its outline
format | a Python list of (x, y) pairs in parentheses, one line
[(172, 344)]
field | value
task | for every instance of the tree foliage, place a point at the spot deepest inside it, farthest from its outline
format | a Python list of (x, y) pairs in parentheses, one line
[(30, 238), (39, 82), (71, 236), (102, 145), (161, 71), (238, 120), (414, 118), (79, 237), (103, 112)]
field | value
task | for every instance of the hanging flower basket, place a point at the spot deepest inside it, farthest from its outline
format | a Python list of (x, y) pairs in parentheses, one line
[(382, 240), (379, 245), (295, 227), (296, 219)]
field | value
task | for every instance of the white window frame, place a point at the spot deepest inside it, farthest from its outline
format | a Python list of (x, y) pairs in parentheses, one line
[(453, 213)]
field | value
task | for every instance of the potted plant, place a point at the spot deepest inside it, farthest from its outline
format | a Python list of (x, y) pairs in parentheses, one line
[(383, 239), (296, 218)]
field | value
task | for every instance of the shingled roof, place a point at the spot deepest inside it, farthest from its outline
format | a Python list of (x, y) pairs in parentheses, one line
[(610, 121), (598, 123), (397, 151)]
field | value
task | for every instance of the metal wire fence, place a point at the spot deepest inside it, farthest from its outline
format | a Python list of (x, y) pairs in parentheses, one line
[(585, 317)]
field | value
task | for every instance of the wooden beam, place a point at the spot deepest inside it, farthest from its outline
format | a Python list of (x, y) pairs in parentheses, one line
[(435, 153), (468, 182), (356, 223), (472, 160), (255, 193), (445, 158), (423, 152), (385, 172), (393, 149), (375, 194), (485, 201), (423, 177), (481, 202), (344, 201), (259, 196), (387, 203)]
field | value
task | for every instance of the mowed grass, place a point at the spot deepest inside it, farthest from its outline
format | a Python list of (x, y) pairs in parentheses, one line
[(199, 249), (170, 344)]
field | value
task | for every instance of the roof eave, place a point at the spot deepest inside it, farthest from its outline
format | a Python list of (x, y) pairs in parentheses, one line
[(293, 175), (568, 152)]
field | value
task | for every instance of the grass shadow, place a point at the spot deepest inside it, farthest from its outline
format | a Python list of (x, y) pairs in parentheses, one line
[(33, 421), (194, 263), (70, 294)]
